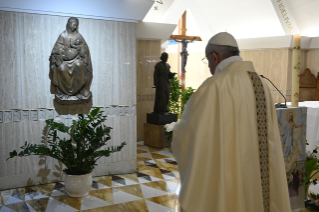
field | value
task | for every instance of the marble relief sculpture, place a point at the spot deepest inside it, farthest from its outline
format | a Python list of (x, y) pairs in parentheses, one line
[(71, 66)]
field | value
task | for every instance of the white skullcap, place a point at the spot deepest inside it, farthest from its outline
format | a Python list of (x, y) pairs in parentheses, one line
[(223, 39)]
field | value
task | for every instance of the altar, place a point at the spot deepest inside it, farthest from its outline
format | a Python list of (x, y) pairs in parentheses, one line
[(309, 123), (312, 135)]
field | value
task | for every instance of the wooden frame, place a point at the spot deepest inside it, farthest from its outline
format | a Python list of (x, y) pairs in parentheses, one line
[(315, 83)]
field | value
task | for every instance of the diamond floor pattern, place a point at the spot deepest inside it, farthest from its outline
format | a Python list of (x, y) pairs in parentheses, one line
[(154, 188)]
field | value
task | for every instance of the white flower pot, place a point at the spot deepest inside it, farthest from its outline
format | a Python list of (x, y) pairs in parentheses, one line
[(78, 185)]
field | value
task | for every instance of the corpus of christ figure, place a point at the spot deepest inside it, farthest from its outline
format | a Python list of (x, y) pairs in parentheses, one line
[(184, 53)]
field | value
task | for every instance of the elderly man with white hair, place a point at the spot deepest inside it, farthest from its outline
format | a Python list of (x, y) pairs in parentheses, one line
[(227, 143)]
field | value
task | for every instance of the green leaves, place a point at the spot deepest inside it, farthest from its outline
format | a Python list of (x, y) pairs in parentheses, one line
[(175, 94), (79, 152), (186, 94), (178, 98)]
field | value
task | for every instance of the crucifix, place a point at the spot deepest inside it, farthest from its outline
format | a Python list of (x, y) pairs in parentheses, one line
[(183, 39)]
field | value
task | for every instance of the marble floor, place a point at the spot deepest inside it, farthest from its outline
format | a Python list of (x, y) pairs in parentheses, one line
[(154, 188)]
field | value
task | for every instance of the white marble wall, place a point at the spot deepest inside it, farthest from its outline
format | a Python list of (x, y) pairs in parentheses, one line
[(26, 42)]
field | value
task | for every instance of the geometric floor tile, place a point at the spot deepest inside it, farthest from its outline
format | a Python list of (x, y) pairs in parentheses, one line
[(166, 166), (15, 206), (57, 206), (35, 196), (30, 208), (29, 193), (4, 196), (168, 174), (153, 149), (96, 186), (160, 185), (19, 193), (5, 209), (74, 202), (134, 206), (141, 151), (56, 193), (170, 201), (173, 187), (154, 207), (121, 197), (153, 188), (143, 148), (144, 178), (165, 152), (26, 208), (118, 181), (150, 192), (103, 194), (139, 159), (89, 202), (13, 200), (155, 172), (151, 163), (44, 189), (39, 204), (159, 156), (140, 143), (105, 180), (145, 155), (168, 160), (132, 177), (132, 189), (175, 180)]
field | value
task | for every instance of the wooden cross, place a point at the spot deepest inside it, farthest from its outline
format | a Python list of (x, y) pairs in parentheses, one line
[(182, 35)]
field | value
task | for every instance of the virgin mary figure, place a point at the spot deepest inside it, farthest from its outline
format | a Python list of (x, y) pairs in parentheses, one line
[(71, 67)]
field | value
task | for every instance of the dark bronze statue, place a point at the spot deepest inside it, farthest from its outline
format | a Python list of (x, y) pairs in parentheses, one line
[(162, 74), (71, 66), (184, 53)]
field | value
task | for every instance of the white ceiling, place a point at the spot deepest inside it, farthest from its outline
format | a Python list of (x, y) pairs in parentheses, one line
[(242, 18), (119, 10)]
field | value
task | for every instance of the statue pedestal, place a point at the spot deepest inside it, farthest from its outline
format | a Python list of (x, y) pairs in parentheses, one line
[(154, 129), (154, 136), (161, 119)]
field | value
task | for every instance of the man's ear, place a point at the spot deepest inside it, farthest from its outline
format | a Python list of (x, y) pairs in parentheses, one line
[(215, 57)]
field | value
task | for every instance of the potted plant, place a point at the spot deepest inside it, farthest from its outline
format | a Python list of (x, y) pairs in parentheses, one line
[(79, 152), (312, 168)]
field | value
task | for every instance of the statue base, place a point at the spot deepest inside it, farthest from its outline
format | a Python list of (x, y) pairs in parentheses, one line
[(161, 119), (154, 136), (70, 100)]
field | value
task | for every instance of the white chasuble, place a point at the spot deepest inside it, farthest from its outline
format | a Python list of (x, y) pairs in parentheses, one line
[(228, 146)]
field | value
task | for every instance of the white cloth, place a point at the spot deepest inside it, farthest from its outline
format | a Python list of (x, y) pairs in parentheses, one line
[(312, 133), (217, 149), (223, 64)]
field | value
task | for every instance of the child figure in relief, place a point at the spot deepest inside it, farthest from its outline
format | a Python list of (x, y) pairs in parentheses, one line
[(76, 44), (287, 135)]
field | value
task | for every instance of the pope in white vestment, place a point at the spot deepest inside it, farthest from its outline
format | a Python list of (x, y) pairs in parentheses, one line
[(227, 143)]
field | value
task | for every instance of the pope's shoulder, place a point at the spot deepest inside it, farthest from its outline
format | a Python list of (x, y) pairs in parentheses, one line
[(232, 71)]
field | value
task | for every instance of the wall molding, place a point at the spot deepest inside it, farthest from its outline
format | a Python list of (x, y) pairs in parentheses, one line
[(22, 115)]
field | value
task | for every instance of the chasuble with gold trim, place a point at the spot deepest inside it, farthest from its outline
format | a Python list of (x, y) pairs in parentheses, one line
[(228, 147)]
